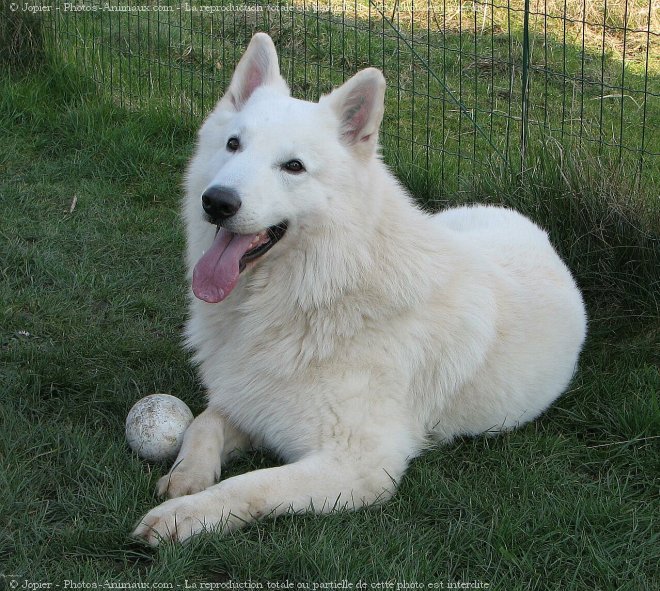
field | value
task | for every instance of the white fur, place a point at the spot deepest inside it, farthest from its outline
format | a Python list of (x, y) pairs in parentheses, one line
[(370, 330)]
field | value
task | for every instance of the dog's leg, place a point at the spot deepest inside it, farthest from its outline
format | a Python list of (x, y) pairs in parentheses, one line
[(320, 482), (208, 442)]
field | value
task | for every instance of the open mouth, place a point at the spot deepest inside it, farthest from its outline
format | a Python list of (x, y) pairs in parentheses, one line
[(216, 273), (262, 243)]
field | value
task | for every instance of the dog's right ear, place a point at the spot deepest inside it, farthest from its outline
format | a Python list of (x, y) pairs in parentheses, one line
[(258, 67)]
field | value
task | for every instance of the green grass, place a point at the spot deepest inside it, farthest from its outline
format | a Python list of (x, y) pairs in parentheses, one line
[(91, 308)]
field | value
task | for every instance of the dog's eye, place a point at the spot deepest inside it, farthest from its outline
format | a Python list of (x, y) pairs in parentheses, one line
[(233, 144), (294, 166)]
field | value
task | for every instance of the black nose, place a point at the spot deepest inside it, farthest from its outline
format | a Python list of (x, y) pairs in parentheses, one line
[(220, 203)]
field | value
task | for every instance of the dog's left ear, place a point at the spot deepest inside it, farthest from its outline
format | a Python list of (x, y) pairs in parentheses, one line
[(258, 67), (359, 104)]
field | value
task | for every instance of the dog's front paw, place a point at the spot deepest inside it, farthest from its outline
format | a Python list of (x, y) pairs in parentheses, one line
[(180, 482), (177, 520)]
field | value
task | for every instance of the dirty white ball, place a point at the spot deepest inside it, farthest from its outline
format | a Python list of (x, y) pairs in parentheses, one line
[(155, 426)]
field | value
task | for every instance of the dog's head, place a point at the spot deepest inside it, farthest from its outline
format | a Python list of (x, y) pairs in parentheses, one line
[(268, 165)]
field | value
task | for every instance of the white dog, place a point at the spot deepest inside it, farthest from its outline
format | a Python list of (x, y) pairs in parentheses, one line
[(353, 329)]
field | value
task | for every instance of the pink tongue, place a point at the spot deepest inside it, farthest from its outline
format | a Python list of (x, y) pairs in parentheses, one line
[(216, 273)]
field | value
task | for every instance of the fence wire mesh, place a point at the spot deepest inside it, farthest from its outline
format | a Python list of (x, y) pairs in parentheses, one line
[(471, 84)]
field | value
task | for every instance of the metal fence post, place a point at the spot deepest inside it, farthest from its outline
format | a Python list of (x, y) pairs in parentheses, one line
[(525, 88)]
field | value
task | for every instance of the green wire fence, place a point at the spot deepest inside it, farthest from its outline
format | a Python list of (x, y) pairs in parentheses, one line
[(471, 84)]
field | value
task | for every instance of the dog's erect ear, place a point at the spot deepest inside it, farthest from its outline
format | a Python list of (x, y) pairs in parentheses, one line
[(359, 104), (257, 67)]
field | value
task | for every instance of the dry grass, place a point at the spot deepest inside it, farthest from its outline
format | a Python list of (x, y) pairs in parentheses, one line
[(602, 26)]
